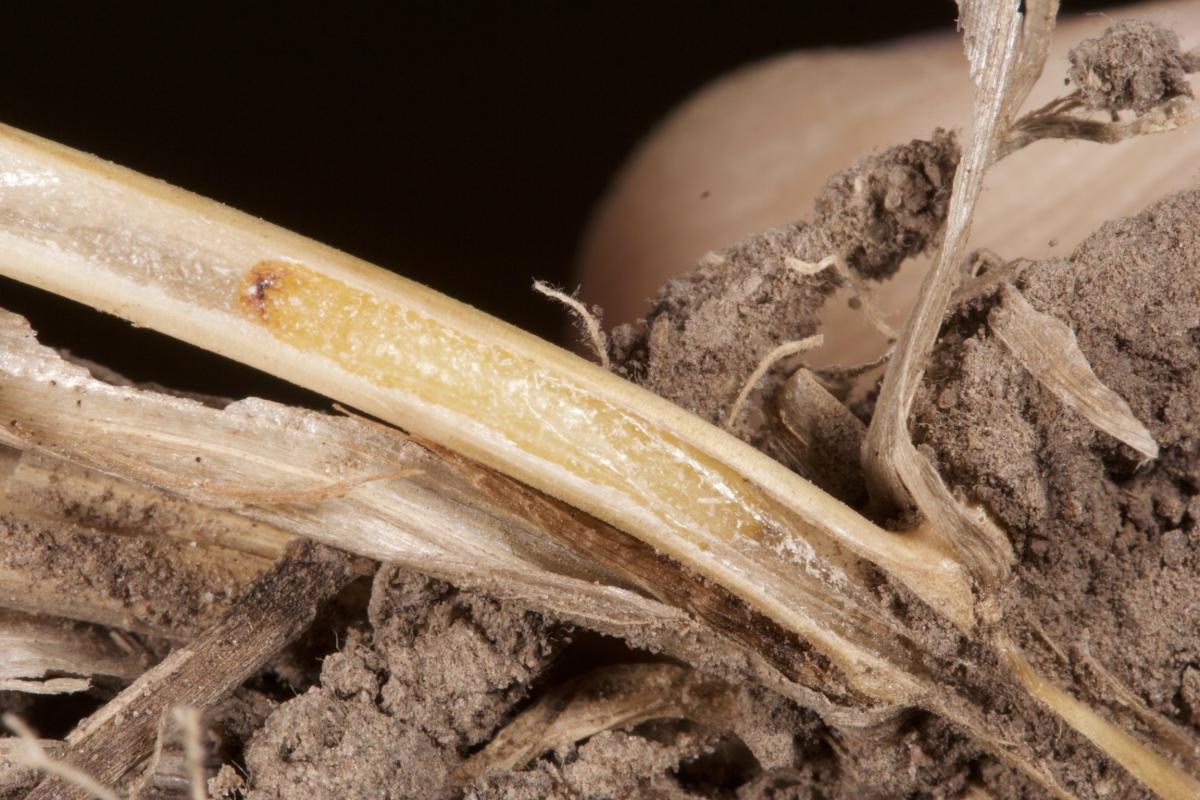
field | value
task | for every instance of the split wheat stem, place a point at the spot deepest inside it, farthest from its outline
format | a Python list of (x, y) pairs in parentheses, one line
[(194, 269)]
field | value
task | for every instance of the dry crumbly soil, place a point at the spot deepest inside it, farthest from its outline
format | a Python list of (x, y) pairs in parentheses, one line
[(1134, 66), (430, 679), (1104, 592), (437, 670), (1108, 547), (403, 700), (1100, 538)]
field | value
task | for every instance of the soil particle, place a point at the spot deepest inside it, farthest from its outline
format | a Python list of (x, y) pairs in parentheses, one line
[(1134, 65), (227, 784), (775, 729), (609, 765), (401, 705), (708, 330), (1108, 548), (398, 707), (889, 206)]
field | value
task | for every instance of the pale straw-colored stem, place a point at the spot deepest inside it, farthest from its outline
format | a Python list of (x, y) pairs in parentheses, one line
[(222, 280)]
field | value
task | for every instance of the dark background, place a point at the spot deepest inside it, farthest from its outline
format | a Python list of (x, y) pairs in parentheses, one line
[(459, 143)]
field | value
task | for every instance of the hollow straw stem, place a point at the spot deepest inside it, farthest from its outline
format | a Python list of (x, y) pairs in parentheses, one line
[(194, 269)]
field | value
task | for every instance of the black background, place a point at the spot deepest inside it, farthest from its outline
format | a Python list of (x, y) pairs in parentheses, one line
[(459, 143)]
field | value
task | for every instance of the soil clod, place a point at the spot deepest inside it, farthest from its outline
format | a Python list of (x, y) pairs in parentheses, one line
[(1108, 552), (1134, 66), (710, 329)]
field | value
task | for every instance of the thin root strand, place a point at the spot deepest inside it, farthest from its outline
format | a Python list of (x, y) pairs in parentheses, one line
[(861, 292), (783, 351), (596, 336)]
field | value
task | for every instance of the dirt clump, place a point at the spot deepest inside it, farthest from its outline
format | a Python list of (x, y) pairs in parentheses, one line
[(1108, 547), (889, 206), (1133, 66), (610, 764), (676, 758), (404, 702), (399, 705), (708, 330)]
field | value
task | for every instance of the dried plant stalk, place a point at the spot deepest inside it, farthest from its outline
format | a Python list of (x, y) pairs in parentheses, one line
[(123, 459), (1176, 739), (230, 477), (232, 284), (176, 769), (49, 485), (17, 773), (1055, 122), (275, 610), (33, 647), (21, 590), (1156, 772), (32, 754), (1006, 52), (820, 435), (772, 546)]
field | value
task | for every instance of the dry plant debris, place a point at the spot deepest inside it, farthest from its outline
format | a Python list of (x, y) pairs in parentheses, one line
[(1135, 66), (1040, 454), (274, 611), (35, 648), (820, 438), (1005, 51), (1046, 347), (588, 319), (33, 756), (609, 698)]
